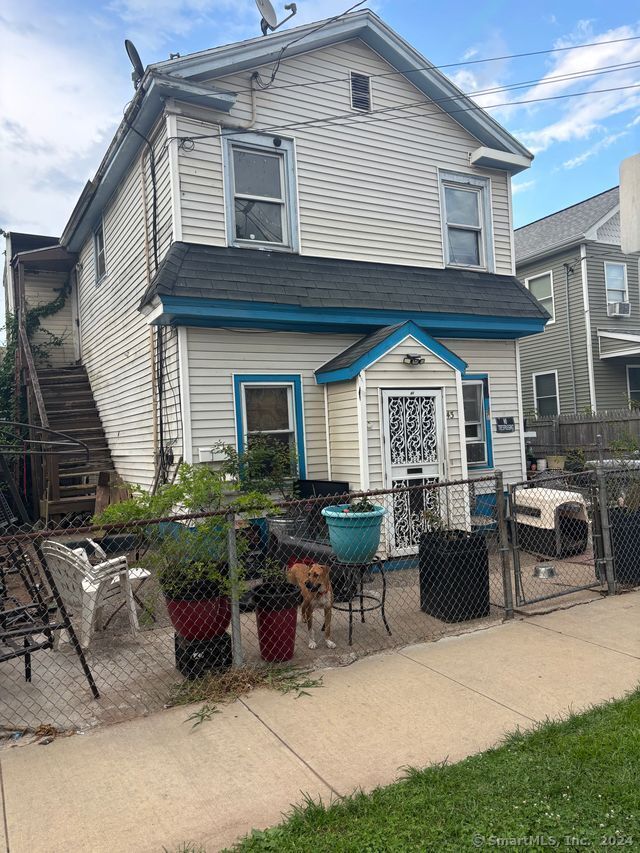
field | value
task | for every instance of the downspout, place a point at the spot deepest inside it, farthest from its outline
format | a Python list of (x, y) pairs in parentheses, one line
[(569, 269), (587, 322), (245, 125)]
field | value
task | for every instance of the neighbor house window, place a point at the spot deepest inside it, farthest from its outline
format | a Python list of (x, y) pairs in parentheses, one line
[(615, 276), (477, 428), (633, 385), (466, 216), (541, 286), (260, 191), (98, 250), (545, 389), (269, 408)]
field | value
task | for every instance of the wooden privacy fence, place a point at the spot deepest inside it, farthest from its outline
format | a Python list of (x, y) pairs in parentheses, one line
[(566, 432)]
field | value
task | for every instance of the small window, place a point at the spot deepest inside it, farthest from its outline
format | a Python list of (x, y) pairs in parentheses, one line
[(545, 389), (475, 400), (633, 385), (360, 92), (541, 286), (466, 221), (98, 250), (616, 281), (260, 192)]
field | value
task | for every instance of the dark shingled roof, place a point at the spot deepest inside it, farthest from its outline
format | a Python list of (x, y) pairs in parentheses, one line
[(251, 275), (562, 227), (351, 354)]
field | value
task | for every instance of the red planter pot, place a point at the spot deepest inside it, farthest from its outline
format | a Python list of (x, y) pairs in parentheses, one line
[(276, 617), (201, 619)]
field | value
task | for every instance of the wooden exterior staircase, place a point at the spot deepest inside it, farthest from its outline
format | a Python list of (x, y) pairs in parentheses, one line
[(70, 408)]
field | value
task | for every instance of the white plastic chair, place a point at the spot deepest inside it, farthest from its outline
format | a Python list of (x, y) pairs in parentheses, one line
[(85, 588)]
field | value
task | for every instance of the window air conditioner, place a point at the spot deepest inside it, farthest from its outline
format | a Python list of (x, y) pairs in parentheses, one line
[(619, 309)]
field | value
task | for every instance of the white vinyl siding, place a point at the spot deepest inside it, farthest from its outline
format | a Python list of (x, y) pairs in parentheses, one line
[(41, 289), (367, 189), (344, 440), (116, 339)]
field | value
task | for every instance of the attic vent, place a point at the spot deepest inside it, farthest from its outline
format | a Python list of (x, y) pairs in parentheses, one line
[(360, 91)]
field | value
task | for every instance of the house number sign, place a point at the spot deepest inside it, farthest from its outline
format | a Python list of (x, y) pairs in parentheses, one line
[(505, 425)]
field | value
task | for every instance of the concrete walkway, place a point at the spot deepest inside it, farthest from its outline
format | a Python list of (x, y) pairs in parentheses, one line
[(152, 783)]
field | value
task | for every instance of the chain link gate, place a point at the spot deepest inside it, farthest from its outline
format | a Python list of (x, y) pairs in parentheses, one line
[(555, 527)]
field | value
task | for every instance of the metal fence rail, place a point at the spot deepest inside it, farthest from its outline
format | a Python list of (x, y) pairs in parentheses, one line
[(98, 624)]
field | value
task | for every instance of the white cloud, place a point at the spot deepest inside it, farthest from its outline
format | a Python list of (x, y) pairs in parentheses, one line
[(595, 149), (521, 187)]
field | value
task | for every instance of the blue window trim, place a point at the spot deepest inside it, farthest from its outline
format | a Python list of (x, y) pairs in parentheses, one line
[(484, 378), (392, 340), (293, 379), (213, 313)]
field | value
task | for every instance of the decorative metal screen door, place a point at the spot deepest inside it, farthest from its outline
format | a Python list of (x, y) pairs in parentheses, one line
[(412, 429)]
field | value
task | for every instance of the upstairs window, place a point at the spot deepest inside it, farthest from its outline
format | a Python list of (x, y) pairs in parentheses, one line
[(541, 286), (615, 276), (360, 91), (545, 389), (260, 192), (477, 428), (98, 252), (466, 218)]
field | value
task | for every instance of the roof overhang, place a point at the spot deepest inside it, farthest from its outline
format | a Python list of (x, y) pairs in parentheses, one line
[(155, 88), (550, 250), (613, 344), (55, 258), (407, 331), (369, 28), (216, 313), (493, 158)]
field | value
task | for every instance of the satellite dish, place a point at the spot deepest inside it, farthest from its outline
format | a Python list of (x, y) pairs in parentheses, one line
[(269, 18), (136, 62)]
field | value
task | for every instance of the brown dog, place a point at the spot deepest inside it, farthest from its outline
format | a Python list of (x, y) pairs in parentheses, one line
[(315, 586)]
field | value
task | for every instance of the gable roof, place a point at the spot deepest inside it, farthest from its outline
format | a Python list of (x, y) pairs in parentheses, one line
[(565, 227), (347, 364), (183, 78)]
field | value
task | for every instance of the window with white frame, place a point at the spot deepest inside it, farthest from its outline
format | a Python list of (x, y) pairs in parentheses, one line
[(615, 276), (260, 191), (545, 389), (466, 217), (474, 398), (541, 286), (98, 252), (633, 385)]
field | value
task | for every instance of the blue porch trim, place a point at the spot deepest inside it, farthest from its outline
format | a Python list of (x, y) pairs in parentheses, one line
[(484, 378), (409, 329), (294, 379), (212, 313)]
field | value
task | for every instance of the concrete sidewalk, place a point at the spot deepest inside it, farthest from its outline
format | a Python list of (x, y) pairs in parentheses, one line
[(155, 782)]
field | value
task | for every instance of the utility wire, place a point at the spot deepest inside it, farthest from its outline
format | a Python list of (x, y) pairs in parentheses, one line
[(359, 118), (417, 69)]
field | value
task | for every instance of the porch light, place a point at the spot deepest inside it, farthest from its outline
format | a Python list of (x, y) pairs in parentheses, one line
[(413, 359)]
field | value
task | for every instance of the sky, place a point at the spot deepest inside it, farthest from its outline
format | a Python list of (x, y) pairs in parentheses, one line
[(66, 80)]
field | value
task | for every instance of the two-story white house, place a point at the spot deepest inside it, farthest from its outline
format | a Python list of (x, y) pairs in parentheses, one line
[(310, 239)]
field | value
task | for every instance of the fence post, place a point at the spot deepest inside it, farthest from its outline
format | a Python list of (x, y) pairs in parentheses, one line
[(234, 582), (503, 545), (603, 504)]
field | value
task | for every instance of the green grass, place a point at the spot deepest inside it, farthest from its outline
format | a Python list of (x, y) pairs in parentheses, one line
[(580, 777)]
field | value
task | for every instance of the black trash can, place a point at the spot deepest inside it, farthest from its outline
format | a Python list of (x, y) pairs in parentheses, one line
[(454, 575), (625, 542)]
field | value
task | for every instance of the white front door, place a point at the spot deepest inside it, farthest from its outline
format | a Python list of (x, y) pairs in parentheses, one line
[(413, 438)]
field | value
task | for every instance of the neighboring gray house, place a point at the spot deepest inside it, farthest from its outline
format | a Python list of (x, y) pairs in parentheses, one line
[(588, 357)]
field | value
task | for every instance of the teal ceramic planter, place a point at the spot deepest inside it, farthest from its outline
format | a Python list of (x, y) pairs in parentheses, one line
[(354, 536)]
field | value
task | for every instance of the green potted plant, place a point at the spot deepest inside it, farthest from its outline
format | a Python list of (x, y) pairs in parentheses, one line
[(354, 530), (453, 572)]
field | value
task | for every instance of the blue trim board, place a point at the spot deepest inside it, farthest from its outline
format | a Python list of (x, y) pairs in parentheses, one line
[(407, 329), (484, 378), (216, 313), (291, 378)]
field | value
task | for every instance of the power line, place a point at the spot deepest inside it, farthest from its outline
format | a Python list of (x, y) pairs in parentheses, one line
[(416, 69), (354, 118)]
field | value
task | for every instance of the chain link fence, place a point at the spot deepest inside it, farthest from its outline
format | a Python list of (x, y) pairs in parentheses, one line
[(98, 624)]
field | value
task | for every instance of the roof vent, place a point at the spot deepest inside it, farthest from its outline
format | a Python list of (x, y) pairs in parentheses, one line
[(360, 91)]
